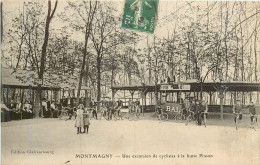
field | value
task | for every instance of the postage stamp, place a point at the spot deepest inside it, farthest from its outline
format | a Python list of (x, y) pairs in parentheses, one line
[(140, 15)]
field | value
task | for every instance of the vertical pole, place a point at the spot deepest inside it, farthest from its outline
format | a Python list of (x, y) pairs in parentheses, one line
[(221, 104), (143, 103), (113, 93), (124, 97)]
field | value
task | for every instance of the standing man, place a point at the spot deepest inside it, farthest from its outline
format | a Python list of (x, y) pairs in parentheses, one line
[(93, 106), (137, 106), (119, 106), (237, 109), (198, 112), (252, 112), (44, 107)]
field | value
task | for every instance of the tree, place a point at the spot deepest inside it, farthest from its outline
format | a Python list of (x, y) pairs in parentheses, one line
[(82, 10), (49, 17), (105, 24)]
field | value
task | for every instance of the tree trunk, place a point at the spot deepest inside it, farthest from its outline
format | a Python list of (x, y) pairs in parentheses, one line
[(98, 80), (43, 56)]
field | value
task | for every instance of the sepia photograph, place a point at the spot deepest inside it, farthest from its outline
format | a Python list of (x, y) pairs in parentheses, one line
[(130, 82)]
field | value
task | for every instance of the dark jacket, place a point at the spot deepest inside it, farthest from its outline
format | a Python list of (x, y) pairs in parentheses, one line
[(92, 104), (252, 109)]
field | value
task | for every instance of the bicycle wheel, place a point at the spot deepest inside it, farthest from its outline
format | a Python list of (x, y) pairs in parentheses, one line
[(130, 116), (164, 116), (105, 115), (188, 119), (137, 115)]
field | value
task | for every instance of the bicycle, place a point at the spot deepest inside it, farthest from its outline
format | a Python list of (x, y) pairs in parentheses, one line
[(133, 114), (104, 113), (117, 115), (63, 113), (179, 115), (161, 115), (191, 116)]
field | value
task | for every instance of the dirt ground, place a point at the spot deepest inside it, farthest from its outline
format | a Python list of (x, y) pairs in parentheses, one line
[(146, 141)]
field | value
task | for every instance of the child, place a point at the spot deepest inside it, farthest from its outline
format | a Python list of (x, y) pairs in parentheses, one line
[(86, 122), (79, 119)]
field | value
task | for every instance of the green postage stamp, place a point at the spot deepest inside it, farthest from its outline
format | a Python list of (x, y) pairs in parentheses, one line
[(140, 15)]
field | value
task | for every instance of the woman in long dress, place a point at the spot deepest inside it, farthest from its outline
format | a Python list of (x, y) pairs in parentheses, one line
[(79, 119)]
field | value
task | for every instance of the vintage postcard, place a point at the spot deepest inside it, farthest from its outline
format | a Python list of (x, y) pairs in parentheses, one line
[(125, 82)]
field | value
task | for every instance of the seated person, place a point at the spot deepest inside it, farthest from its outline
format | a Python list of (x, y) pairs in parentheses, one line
[(27, 110)]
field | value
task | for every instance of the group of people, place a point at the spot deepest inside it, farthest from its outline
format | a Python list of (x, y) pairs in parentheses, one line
[(109, 108), (196, 107), (52, 109), (237, 110), (134, 106), (82, 120), (21, 110), (49, 109)]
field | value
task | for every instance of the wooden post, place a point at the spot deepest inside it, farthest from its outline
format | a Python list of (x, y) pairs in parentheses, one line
[(143, 103), (124, 97), (221, 95), (221, 89), (145, 100), (132, 93)]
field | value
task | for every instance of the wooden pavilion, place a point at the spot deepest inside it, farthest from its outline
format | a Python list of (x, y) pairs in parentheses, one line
[(197, 88)]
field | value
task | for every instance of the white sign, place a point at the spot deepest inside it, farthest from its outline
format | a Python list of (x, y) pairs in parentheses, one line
[(175, 87)]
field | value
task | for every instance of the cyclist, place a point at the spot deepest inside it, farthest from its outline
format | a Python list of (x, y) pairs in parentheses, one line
[(252, 112), (237, 110)]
